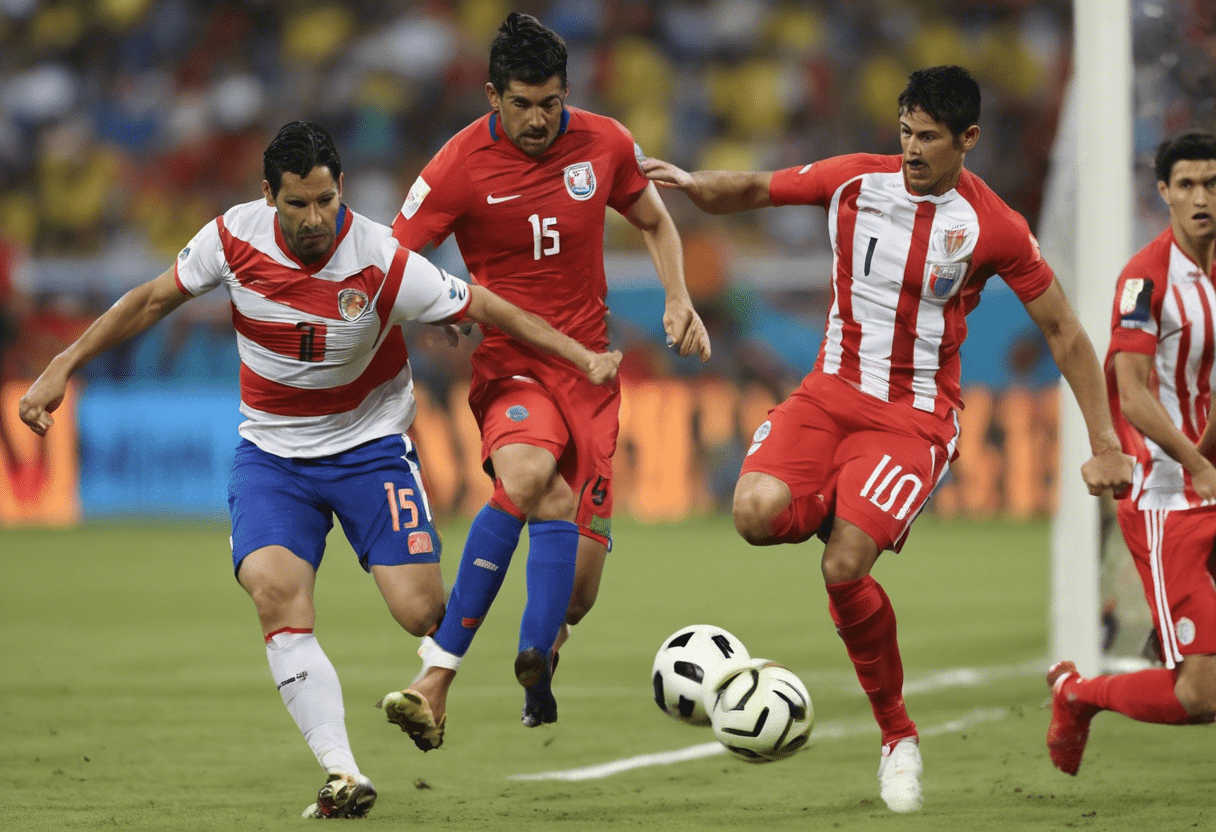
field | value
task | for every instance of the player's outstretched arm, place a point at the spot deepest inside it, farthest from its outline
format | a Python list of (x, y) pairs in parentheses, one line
[(685, 330), (1108, 468), (134, 312), (713, 191), (1144, 410), (488, 308)]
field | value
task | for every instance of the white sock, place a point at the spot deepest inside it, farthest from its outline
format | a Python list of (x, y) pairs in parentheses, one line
[(310, 689)]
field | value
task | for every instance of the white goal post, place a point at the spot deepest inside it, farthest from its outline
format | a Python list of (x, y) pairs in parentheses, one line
[(1101, 122)]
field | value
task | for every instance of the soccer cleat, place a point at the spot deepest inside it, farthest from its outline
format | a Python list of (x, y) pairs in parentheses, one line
[(899, 775), (534, 670), (410, 710), (1069, 729), (343, 796)]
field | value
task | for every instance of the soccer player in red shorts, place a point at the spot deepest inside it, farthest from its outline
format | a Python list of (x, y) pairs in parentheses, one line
[(1160, 363), (525, 190), (855, 452)]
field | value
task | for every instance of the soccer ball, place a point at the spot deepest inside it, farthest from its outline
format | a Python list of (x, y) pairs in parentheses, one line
[(684, 660), (761, 713)]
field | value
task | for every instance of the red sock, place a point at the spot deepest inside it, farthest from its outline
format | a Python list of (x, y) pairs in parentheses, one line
[(800, 520), (1146, 695), (865, 621)]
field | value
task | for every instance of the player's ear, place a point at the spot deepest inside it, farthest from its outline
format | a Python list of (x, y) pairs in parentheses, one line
[(266, 193), (340, 180), (1163, 189), (970, 137), (492, 95)]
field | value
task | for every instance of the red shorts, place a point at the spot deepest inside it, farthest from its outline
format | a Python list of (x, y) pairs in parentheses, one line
[(1173, 553), (577, 423), (883, 460)]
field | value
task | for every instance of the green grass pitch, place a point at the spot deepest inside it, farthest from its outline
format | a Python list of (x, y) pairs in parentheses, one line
[(135, 695)]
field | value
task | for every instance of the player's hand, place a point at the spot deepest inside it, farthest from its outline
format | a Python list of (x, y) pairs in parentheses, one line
[(603, 366), (685, 330), (1204, 482), (1109, 470), (665, 174), (40, 401)]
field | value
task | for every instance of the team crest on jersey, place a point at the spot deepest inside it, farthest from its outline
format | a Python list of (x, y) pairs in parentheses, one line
[(517, 413), (954, 239), (413, 200), (1185, 630), (352, 303), (580, 180), (944, 279)]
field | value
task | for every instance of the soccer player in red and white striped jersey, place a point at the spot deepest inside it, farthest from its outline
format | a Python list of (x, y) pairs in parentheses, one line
[(856, 451), (1160, 369), (319, 294)]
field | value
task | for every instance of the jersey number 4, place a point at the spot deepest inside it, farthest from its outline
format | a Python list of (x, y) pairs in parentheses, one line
[(545, 239)]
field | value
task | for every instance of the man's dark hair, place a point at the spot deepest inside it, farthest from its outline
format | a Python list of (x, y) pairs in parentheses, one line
[(944, 93), (298, 148), (1192, 145), (526, 51)]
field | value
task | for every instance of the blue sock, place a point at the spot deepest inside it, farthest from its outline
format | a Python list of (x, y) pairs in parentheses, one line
[(483, 565), (552, 554)]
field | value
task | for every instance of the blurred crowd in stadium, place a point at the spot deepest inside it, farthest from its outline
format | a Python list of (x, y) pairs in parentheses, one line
[(125, 125)]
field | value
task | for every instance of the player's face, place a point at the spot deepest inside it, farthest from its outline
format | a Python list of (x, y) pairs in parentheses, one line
[(1191, 197), (933, 157), (531, 114), (308, 211)]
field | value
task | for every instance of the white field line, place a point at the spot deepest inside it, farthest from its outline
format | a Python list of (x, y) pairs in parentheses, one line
[(830, 731), (954, 677)]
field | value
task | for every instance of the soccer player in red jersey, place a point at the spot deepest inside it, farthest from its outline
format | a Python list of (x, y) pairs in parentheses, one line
[(856, 451), (524, 189), (1160, 370), (319, 294)]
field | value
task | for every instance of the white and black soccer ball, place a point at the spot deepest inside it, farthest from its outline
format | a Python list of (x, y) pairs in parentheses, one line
[(684, 660), (761, 713)]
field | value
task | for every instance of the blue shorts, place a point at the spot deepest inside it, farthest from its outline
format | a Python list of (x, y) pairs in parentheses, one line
[(374, 488)]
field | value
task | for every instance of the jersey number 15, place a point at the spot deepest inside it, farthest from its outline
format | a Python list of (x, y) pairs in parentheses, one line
[(545, 239)]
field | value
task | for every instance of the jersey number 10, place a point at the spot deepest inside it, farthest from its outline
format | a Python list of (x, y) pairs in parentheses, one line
[(542, 230)]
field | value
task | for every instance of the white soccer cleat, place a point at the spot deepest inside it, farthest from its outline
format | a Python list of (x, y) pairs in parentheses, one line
[(899, 775)]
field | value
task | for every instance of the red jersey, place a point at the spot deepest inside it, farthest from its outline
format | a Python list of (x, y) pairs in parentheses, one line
[(529, 229), (907, 268), (1164, 307)]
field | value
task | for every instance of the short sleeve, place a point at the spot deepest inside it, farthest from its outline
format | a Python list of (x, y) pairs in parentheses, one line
[(1013, 253), (434, 203), (627, 181), (815, 183), (201, 265), (427, 293), (1136, 317)]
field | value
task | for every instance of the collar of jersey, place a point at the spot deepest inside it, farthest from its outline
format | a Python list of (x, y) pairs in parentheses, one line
[(342, 224), (494, 124)]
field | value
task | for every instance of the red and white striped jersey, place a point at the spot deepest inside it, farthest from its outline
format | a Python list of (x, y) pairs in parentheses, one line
[(1164, 305), (906, 271), (324, 365)]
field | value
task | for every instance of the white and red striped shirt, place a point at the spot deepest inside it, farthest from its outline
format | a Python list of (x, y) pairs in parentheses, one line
[(324, 365), (1164, 307), (906, 271)]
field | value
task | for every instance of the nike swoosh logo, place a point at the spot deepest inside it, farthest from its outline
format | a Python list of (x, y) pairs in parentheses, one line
[(494, 200)]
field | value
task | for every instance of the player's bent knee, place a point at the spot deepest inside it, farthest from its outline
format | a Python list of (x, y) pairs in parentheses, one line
[(753, 516), (1198, 696), (580, 605)]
